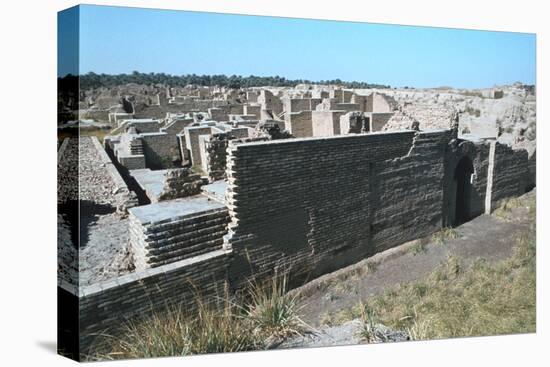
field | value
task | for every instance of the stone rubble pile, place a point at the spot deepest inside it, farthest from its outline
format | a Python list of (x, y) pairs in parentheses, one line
[(180, 183)]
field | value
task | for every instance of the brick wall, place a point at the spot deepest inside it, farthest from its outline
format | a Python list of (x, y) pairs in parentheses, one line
[(299, 124), (159, 149), (308, 206), (192, 134), (326, 123), (176, 126), (511, 174), (169, 238), (378, 120), (104, 306), (311, 216)]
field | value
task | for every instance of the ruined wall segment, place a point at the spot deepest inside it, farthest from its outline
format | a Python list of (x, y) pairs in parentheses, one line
[(299, 124), (478, 153), (304, 205), (511, 173), (406, 193), (159, 149)]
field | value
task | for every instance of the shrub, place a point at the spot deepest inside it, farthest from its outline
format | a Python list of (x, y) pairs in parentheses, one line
[(444, 234), (272, 311), (418, 248)]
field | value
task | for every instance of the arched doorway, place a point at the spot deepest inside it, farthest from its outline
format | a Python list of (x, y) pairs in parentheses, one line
[(463, 180)]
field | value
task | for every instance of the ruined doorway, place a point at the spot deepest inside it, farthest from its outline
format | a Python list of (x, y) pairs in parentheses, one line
[(463, 183)]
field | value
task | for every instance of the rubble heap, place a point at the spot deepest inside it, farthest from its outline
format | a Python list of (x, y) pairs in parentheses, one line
[(180, 182)]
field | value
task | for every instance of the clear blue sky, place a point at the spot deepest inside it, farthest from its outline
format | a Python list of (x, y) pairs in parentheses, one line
[(119, 40)]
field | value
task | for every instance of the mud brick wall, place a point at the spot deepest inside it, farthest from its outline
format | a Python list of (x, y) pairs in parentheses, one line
[(216, 155), (347, 107), (296, 105), (252, 110), (361, 101), (532, 163), (144, 127), (192, 105), (326, 123), (510, 175), (378, 120), (406, 193), (479, 185), (219, 113), (159, 149), (192, 134), (176, 126), (104, 306), (176, 238), (133, 161), (305, 206), (478, 154), (299, 124)]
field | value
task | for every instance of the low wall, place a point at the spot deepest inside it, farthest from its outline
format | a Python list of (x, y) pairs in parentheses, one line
[(174, 230), (103, 306)]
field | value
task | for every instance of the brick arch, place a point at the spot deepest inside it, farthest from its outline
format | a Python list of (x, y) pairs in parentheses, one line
[(463, 190), (461, 156)]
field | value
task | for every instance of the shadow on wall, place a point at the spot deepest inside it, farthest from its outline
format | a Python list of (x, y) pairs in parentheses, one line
[(463, 179)]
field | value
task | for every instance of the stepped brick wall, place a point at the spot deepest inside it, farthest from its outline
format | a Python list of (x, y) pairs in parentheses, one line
[(167, 232)]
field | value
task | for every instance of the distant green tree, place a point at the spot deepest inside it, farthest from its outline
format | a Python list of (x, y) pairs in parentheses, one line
[(92, 80)]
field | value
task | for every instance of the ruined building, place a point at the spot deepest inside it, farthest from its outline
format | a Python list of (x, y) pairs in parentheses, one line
[(224, 207)]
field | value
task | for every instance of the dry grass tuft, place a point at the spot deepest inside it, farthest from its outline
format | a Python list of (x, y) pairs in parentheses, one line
[(272, 311), (444, 234), (505, 210), (268, 312)]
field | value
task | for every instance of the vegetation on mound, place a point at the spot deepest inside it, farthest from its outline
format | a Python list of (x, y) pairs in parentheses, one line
[(482, 299)]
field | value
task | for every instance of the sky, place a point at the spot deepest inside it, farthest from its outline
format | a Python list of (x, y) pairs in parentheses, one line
[(115, 40)]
